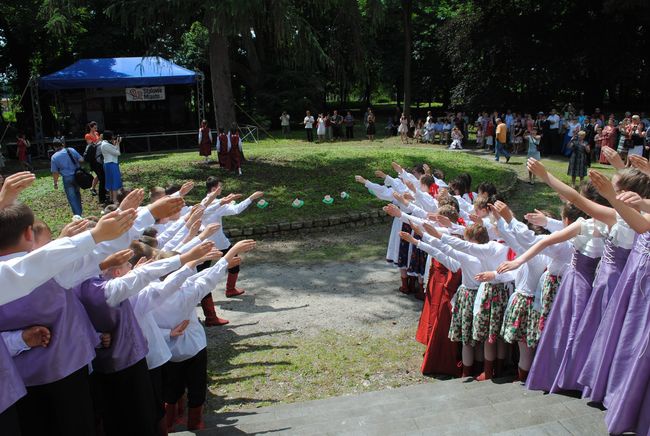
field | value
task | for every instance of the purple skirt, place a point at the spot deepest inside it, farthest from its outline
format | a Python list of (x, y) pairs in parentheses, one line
[(628, 388), (609, 270), (560, 329), (595, 372)]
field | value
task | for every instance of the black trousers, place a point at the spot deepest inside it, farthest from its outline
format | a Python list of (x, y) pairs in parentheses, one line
[(190, 374), (126, 401), (9, 422), (101, 176), (207, 263), (310, 134), (156, 377), (61, 408), (349, 132)]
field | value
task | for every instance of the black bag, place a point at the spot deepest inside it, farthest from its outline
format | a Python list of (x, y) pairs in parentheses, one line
[(90, 155), (82, 177)]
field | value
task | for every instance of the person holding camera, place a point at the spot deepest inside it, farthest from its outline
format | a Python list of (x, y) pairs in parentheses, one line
[(636, 135), (111, 151)]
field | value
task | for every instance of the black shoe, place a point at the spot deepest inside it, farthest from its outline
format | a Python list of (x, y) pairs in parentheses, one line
[(93, 192), (508, 159)]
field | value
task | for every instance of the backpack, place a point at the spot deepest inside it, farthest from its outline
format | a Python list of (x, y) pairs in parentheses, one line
[(90, 155)]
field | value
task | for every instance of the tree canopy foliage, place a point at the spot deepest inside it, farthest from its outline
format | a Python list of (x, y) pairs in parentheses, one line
[(263, 57)]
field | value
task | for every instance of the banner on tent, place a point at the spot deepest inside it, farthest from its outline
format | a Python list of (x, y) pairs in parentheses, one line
[(145, 94)]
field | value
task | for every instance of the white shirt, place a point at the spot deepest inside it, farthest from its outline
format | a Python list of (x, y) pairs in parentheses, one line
[(558, 256), (214, 214), (470, 265), (182, 306), (121, 288), (110, 152), (14, 342), (150, 298), (23, 272), (554, 120), (201, 135), (491, 255), (309, 122), (284, 120)]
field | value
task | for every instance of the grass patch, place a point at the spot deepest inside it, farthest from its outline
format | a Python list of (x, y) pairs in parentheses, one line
[(292, 367), (284, 170)]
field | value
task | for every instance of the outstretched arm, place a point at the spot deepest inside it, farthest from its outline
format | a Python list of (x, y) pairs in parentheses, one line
[(601, 213), (639, 223), (567, 233)]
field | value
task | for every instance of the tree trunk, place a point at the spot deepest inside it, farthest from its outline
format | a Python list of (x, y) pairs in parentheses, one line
[(407, 6), (221, 79)]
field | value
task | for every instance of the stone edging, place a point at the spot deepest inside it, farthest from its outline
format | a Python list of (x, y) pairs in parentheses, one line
[(353, 219)]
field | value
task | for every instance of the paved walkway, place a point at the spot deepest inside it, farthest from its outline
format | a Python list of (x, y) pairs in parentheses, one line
[(456, 407)]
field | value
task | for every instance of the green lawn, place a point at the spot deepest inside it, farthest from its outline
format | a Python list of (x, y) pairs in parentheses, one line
[(287, 367), (284, 169)]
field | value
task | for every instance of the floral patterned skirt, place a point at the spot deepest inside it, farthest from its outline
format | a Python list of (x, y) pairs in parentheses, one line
[(488, 321), (521, 321), (549, 289), (462, 316)]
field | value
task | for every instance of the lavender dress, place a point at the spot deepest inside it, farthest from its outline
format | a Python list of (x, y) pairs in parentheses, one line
[(628, 389), (610, 269), (595, 373), (559, 333)]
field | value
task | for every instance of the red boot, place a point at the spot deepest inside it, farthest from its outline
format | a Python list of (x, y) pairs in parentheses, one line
[(180, 409), (170, 417), (419, 290), (488, 371), (521, 375), (231, 290), (195, 418), (404, 289), (211, 318)]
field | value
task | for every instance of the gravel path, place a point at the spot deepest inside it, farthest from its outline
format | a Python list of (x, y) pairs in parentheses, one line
[(334, 295)]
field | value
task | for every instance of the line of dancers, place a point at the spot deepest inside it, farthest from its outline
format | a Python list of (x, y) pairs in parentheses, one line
[(567, 299), (99, 327)]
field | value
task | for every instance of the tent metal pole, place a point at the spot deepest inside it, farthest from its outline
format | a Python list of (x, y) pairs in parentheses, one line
[(200, 96), (38, 119)]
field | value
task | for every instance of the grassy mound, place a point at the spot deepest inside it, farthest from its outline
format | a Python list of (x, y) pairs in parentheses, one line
[(284, 170)]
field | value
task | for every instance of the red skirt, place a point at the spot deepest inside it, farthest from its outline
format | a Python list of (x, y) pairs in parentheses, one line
[(224, 159), (441, 355), (235, 158), (205, 149)]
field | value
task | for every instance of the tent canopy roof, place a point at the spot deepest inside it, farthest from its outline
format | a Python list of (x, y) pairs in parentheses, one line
[(119, 73)]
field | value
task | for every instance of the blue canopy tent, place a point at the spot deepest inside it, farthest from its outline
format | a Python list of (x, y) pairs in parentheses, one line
[(109, 77), (119, 73)]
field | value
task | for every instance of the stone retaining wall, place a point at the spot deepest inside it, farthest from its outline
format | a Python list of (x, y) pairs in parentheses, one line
[(353, 219)]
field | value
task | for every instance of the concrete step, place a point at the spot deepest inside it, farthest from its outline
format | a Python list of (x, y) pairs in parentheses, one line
[(450, 407)]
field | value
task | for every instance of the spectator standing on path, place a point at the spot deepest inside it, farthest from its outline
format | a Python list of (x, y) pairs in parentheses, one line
[(64, 163), (502, 138), (349, 125), (93, 155), (636, 134), (554, 132), (111, 151), (337, 123), (321, 127), (285, 123), (308, 122), (370, 130), (579, 159), (23, 151), (205, 141)]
